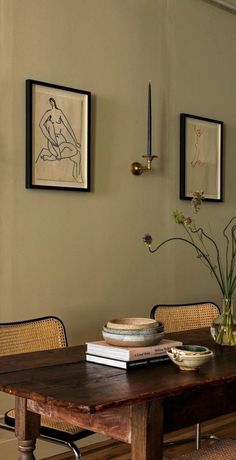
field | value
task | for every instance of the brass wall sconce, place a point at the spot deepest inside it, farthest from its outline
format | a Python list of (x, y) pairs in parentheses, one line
[(137, 168)]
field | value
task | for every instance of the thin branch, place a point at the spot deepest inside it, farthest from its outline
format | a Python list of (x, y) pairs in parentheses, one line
[(219, 281), (200, 230)]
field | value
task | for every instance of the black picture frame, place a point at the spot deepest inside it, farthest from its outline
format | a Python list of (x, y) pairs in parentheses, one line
[(58, 129), (201, 157)]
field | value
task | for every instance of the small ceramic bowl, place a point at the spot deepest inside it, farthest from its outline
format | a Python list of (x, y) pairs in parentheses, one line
[(190, 357), (190, 350)]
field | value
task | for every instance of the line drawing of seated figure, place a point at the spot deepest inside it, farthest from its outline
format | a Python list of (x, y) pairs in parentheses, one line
[(61, 140)]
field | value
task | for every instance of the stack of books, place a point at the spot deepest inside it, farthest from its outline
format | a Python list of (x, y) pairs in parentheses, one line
[(101, 352)]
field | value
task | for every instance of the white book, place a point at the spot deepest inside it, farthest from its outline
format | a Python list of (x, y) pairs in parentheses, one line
[(101, 348), (126, 364)]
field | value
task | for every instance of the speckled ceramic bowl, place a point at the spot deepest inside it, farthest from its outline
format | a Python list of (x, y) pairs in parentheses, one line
[(190, 350), (190, 357), (134, 337), (132, 323)]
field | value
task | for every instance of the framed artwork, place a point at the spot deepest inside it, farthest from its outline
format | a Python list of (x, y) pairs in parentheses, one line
[(57, 137), (201, 152)]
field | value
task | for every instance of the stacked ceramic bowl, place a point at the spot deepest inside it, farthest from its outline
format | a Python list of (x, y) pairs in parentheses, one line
[(190, 357), (133, 332)]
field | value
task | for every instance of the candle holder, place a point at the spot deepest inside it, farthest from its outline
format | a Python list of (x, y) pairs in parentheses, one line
[(137, 168)]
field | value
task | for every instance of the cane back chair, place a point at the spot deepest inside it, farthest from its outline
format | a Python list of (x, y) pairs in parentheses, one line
[(34, 335), (179, 317), (182, 317)]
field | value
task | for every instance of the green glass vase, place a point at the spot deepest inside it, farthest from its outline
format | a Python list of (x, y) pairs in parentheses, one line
[(223, 328)]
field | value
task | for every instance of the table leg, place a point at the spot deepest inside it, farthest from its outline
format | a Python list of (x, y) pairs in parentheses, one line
[(147, 431), (27, 430)]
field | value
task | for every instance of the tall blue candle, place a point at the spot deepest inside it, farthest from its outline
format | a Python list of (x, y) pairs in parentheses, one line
[(149, 132)]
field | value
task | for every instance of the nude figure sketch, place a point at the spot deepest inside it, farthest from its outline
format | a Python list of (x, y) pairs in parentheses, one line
[(61, 140), (196, 161), (202, 167)]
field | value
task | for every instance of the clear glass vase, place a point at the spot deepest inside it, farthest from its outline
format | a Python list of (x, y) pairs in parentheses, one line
[(223, 328)]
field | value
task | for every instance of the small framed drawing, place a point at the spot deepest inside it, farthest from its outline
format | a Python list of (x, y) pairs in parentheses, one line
[(201, 152), (57, 137)]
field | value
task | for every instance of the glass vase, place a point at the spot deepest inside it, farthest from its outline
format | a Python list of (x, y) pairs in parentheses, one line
[(223, 328)]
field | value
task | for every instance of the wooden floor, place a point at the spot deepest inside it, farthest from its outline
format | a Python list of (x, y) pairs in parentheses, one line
[(113, 450)]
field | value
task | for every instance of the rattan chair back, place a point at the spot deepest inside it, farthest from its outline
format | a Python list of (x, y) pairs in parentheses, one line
[(186, 316), (33, 335)]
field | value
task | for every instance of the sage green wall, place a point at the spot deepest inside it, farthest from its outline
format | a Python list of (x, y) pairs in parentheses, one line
[(80, 256)]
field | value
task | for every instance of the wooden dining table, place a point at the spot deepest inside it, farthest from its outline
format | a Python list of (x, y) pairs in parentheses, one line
[(136, 406)]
